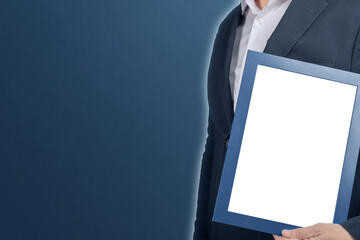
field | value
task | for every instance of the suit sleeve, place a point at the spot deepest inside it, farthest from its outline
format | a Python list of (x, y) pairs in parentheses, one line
[(201, 232), (352, 225)]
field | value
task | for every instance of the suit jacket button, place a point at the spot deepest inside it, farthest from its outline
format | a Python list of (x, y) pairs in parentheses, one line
[(226, 143)]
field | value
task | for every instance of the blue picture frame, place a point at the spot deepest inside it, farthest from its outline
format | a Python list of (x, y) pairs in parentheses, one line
[(221, 213)]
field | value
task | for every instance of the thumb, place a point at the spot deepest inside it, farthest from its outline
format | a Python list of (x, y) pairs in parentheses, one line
[(299, 233)]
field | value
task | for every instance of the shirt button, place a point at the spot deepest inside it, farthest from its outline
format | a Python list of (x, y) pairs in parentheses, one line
[(261, 21)]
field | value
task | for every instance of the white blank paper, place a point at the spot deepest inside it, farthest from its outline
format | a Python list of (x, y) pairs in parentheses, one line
[(293, 148)]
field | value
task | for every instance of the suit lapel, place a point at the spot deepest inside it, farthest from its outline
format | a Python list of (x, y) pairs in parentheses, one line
[(296, 20), (225, 87)]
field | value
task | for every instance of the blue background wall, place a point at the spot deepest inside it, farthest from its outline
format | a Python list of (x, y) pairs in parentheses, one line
[(103, 116)]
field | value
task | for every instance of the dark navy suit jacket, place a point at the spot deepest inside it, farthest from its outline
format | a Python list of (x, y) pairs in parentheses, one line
[(324, 32)]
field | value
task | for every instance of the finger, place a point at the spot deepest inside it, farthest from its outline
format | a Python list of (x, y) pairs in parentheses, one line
[(283, 238), (301, 233), (278, 237)]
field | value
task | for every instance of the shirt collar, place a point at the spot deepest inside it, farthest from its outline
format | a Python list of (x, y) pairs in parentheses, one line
[(252, 5), (243, 7)]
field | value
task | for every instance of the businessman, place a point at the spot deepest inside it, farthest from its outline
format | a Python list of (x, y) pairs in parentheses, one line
[(324, 32)]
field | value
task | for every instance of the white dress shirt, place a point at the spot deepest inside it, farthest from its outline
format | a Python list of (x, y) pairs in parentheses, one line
[(253, 33)]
